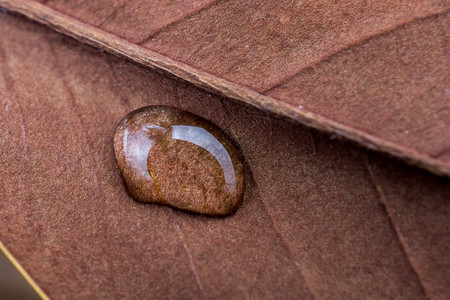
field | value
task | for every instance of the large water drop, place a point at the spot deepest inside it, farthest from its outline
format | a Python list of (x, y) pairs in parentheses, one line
[(172, 157)]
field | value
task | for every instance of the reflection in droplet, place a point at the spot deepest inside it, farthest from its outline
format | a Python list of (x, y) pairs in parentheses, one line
[(207, 141), (173, 157)]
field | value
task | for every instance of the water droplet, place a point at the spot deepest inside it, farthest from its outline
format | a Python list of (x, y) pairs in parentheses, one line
[(172, 157)]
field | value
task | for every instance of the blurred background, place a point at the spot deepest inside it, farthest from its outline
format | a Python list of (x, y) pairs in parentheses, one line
[(12, 285)]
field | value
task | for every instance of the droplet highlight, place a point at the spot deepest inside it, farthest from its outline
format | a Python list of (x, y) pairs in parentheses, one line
[(172, 157)]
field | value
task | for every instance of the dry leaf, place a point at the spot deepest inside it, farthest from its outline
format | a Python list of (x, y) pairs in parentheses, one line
[(321, 218), (372, 71)]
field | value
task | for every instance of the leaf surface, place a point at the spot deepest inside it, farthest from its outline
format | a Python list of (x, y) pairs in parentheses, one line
[(374, 72), (321, 217)]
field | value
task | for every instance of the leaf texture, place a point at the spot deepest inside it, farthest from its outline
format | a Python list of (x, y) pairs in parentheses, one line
[(372, 71), (321, 218)]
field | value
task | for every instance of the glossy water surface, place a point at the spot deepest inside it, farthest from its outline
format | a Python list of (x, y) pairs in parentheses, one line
[(172, 157)]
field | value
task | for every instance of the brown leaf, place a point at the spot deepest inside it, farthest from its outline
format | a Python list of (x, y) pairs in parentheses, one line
[(320, 218), (374, 72)]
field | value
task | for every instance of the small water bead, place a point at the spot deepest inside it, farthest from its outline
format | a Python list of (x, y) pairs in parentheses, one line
[(172, 157)]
